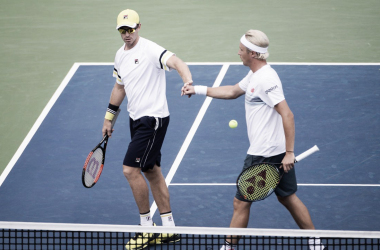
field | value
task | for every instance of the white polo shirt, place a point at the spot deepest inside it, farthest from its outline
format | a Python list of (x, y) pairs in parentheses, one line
[(263, 90), (142, 72)]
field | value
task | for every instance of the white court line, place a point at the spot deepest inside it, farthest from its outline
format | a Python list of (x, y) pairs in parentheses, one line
[(38, 123), (191, 134), (299, 184)]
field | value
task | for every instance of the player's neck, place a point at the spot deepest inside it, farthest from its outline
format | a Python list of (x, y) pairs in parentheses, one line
[(257, 64)]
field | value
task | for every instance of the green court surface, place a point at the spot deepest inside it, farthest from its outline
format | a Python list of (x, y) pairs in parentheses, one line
[(41, 40)]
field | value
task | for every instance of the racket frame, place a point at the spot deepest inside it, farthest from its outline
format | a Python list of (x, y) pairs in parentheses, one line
[(273, 165), (99, 146)]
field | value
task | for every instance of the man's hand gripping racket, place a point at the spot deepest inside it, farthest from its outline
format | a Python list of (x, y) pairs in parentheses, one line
[(93, 166), (260, 180)]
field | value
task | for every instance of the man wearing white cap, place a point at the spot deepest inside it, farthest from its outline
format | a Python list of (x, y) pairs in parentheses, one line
[(139, 70), (270, 125)]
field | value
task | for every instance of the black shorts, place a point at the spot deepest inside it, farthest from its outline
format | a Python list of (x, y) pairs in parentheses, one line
[(288, 182), (147, 137)]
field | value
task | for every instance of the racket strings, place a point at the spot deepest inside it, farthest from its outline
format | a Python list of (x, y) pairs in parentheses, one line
[(258, 182), (93, 168)]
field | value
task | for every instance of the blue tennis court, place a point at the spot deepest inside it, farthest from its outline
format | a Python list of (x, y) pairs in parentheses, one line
[(336, 106)]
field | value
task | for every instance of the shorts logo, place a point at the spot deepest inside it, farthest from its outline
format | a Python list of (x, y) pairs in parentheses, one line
[(125, 17), (137, 160), (136, 61)]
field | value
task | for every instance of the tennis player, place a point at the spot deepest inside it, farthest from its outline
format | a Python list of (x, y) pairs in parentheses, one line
[(139, 69), (270, 124)]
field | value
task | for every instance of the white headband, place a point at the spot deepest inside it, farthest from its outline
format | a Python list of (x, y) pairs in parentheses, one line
[(253, 47)]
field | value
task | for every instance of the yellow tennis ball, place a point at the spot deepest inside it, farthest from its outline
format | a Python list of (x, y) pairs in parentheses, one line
[(233, 124)]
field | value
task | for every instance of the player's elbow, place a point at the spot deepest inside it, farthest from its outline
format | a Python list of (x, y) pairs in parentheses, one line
[(233, 96), (235, 92), (228, 96), (288, 116), (224, 92)]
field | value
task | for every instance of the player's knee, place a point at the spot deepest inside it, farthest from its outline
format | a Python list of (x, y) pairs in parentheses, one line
[(130, 172), (286, 200), (241, 205)]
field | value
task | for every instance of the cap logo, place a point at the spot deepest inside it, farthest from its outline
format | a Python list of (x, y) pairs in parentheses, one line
[(125, 17)]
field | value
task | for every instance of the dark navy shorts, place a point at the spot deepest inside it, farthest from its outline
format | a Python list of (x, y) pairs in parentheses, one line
[(147, 136), (288, 182)]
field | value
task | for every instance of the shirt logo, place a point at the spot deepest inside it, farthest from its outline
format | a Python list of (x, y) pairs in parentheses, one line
[(136, 61), (271, 89), (252, 90)]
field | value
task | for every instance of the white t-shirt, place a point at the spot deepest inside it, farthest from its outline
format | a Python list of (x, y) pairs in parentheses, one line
[(263, 90), (142, 72)]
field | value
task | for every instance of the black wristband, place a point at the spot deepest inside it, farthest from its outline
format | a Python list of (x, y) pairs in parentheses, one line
[(112, 108)]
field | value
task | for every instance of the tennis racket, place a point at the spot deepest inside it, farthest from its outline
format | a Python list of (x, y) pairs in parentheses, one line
[(94, 163), (260, 180)]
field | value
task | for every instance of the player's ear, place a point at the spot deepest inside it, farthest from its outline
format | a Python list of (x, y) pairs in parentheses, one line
[(252, 54)]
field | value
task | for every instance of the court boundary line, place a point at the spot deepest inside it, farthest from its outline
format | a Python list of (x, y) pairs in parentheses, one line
[(38, 122), (75, 67)]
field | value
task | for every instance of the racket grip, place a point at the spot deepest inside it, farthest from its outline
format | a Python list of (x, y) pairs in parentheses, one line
[(307, 153)]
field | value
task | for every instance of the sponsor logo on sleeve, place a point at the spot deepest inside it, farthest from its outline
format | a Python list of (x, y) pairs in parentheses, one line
[(271, 89)]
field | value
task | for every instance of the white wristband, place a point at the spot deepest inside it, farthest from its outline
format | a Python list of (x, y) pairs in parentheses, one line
[(200, 90)]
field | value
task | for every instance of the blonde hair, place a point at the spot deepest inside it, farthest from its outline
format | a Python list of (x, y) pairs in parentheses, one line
[(258, 38)]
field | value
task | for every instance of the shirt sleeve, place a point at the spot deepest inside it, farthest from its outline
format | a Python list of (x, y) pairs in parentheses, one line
[(116, 72), (243, 84), (159, 55), (271, 91)]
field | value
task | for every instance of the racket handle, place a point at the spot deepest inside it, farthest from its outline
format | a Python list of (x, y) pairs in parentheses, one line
[(307, 153)]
